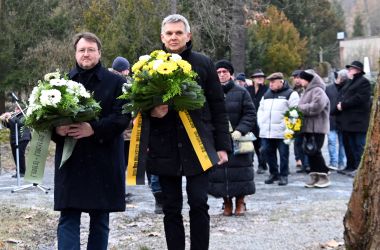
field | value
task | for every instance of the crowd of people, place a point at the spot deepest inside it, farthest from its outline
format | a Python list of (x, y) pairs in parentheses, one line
[(93, 178)]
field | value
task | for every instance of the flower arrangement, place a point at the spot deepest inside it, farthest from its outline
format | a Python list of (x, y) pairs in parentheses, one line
[(162, 78), (57, 101), (293, 121)]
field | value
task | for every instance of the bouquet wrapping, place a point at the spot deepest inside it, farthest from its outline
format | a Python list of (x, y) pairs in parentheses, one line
[(293, 119), (162, 78), (55, 101)]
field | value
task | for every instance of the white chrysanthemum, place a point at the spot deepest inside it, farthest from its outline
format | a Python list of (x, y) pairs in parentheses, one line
[(33, 96), (293, 113), (289, 131), (126, 87), (50, 97), (176, 57), (157, 63), (84, 93), (58, 82), (144, 58), (53, 75)]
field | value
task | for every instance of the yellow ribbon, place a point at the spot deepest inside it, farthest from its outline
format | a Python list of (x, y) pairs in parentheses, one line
[(134, 148)]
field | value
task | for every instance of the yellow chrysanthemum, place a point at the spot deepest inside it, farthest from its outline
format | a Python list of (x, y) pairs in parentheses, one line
[(146, 67), (156, 52), (163, 56), (186, 67), (288, 136), (137, 66), (297, 127), (165, 68), (151, 72)]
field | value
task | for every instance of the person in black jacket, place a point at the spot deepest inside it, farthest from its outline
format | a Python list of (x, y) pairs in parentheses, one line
[(257, 91), (171, 154), (10, 120), (354, 111), (92, 180), (235, 178)]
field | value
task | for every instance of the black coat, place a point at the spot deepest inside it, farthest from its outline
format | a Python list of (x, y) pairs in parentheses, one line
[(256, 98), (332, 93), (355, 99), (22, 131), (170, 151), (93, 178), (236, 177)]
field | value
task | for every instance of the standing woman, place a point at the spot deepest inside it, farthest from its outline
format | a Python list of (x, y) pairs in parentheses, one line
[(315, 106), (235, 178)]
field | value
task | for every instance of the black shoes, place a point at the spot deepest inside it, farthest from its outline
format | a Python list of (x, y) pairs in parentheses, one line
[(283, 181), (304, 169), (15, 175), (271, 179)]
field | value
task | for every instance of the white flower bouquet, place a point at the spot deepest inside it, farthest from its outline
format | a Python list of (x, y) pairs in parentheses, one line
[(58, 101), (293, 119)]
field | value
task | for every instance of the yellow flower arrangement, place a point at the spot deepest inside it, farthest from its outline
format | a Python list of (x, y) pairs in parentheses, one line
[(162, 78), (293, 122)]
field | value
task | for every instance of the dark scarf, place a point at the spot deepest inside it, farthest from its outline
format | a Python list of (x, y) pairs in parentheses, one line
[(228, 86)]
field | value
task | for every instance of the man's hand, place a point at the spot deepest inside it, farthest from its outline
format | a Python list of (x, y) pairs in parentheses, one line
[(62, 130), (223, 157), (236, 135), (80, 130), (159, 111)]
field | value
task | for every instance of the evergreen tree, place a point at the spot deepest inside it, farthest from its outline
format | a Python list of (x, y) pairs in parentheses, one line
[(358, 27)]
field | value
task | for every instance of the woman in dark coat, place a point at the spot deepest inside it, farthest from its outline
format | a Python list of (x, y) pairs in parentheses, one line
[(236, 177)]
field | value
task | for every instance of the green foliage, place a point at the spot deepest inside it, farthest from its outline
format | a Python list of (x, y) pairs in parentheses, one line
[(275, 46), (358, 27), (318, 21)]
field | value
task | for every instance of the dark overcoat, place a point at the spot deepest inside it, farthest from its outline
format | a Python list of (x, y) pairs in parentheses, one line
[(93, 178), (236, 177), (170, 152), (355, 100)]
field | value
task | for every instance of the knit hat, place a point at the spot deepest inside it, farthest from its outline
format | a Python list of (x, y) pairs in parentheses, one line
[(225, 64), (276, 75), (241, 77), (306, 76), (257, 73), (356, 64), (120, 64)]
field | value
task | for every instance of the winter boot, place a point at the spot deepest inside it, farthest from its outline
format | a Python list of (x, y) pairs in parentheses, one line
[(227, 206), (323, 180), (158, 196), (240, 206), (313, 180)]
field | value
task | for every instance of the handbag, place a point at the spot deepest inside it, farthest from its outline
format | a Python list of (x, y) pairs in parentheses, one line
[(309, 145), (244, 144)]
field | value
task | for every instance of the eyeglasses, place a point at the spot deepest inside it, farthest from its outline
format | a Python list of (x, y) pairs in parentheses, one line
[(222, 71), (88, 50)]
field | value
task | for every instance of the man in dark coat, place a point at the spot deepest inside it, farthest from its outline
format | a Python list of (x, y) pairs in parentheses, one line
[(171, 154), (257, 91), (93, 178), (354, 110)]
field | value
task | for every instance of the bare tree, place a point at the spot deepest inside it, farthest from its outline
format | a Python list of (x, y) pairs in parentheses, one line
[(238, 36), (362, 219), (173, 6)]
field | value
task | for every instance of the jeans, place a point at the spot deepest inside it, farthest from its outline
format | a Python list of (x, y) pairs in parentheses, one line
[(269, 147), (69, 230), (337, 158), (354, 143), (155, 183), (316, 161), (196, 188)]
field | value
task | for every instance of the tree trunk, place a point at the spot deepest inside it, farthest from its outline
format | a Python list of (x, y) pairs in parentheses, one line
[(362, 219), (238, 36)]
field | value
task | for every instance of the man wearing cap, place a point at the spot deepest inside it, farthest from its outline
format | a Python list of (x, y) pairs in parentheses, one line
[(257, 90), (354, 110), (270, 117)]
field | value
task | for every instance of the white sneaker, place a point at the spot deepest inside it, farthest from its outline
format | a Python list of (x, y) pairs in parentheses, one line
[(332, 167)]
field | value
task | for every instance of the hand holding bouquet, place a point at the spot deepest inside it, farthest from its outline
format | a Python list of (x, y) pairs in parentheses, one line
[(58, 101), (162, 78), (293, 121)]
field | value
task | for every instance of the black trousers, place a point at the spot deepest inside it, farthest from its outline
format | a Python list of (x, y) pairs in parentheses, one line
[(21, 146), (259, 154), (196, 188), (316, 161)]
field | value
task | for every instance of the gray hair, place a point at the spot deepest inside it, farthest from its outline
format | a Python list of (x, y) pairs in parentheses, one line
[(175, 18), (343, 75)]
